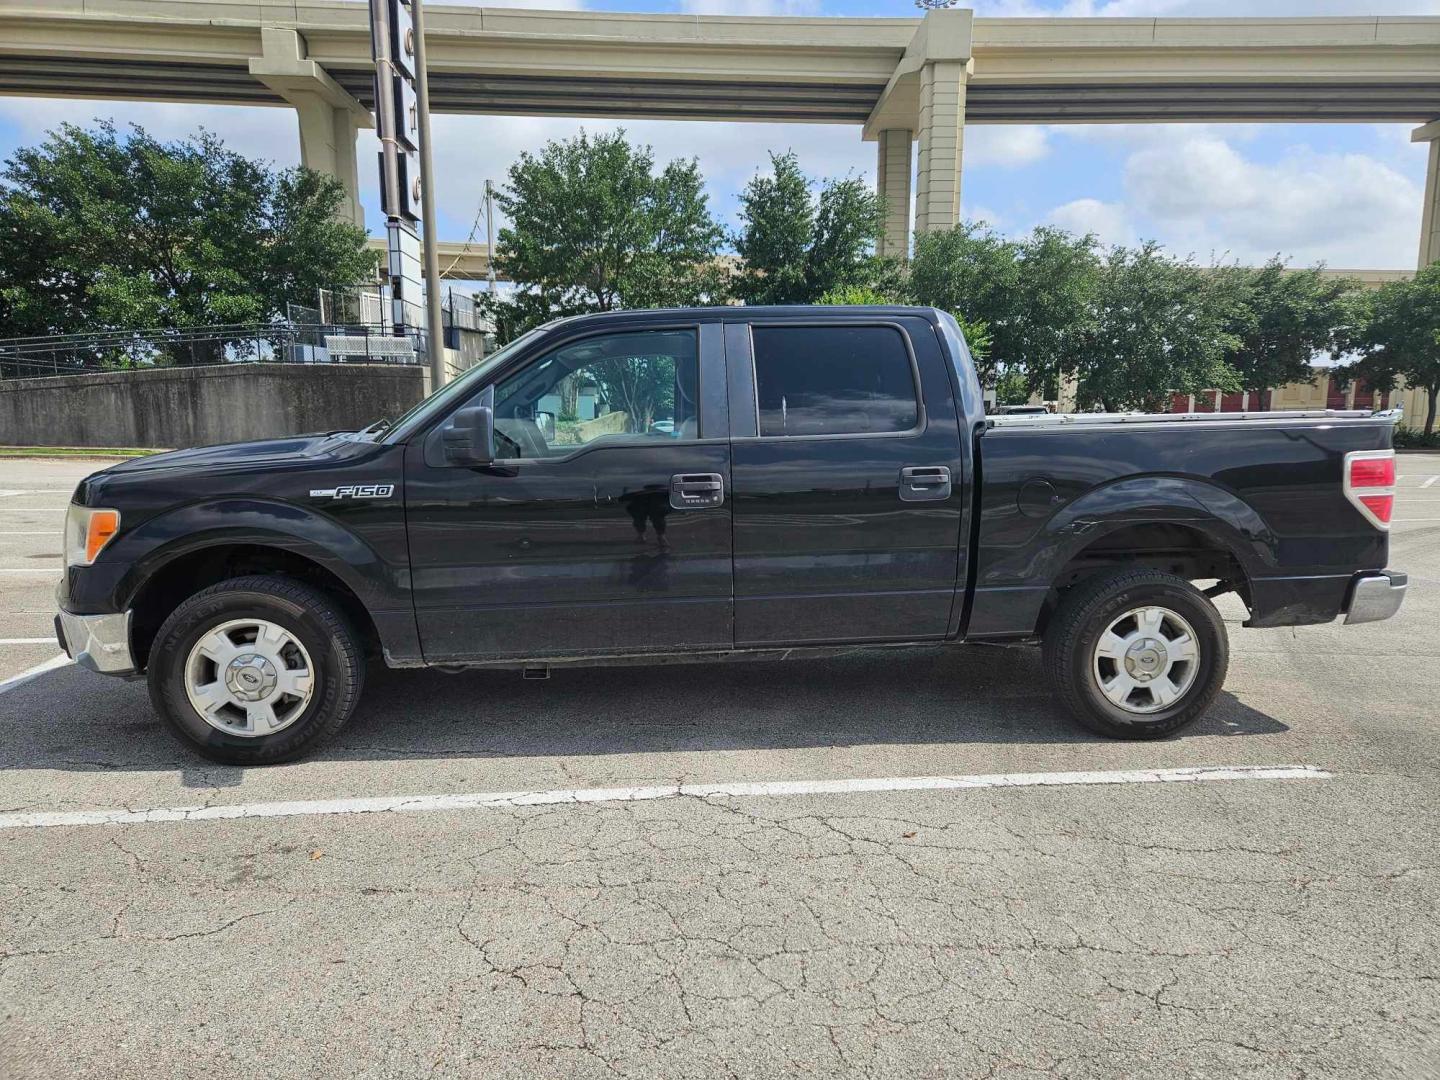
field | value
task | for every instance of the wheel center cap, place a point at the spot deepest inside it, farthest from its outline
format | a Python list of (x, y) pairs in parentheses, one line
[(1146, 659), (250, 677)]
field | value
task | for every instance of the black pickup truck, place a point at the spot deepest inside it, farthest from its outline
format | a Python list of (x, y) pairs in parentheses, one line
[(713, 482)]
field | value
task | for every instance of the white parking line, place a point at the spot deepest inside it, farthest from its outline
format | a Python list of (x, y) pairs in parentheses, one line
[(36, 532), (506, 800), (27, 641), (35, 570), (1430, 481), (34, 672)]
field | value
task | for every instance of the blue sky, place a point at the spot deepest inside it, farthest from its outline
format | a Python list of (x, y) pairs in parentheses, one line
[(1348, 195)]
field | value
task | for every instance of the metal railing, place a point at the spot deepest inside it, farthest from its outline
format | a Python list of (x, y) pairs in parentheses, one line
[(129, 350), (345, 325)]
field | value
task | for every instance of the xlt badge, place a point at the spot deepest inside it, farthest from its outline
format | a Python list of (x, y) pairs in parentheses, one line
[(354, 491)]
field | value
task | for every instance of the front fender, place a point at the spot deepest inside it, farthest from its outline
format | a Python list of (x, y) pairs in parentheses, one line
[(139, 553)]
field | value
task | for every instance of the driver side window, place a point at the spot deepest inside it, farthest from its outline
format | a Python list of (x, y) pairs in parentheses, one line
[(640, 384)]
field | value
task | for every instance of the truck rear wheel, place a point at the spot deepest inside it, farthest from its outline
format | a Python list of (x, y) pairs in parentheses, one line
[(256, 670), (1136, 654)]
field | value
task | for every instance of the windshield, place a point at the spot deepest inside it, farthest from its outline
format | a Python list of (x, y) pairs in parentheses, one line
[(440, 401)]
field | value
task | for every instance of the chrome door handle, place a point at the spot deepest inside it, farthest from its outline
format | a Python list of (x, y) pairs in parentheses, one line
[(924, 483), (694, 491)]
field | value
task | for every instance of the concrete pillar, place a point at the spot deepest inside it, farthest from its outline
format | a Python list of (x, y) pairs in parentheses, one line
[(942, 140), (1430, 218), (329, 118), (892, 181), (327, 145), (1069, 400)]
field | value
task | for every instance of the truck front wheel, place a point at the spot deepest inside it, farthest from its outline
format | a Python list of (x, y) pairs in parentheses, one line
[(1136, 654), (256, 670)]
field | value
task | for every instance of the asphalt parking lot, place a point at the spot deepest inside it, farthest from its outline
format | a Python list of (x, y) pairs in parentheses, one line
[(732, 903)]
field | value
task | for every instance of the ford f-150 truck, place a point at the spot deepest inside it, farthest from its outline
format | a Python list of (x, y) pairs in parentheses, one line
[(713, 482)]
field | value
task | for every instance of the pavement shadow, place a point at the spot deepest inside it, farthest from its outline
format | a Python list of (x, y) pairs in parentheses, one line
[(69, 719)]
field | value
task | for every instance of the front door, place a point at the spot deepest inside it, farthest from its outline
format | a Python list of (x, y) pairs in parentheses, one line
[(604, 524), (848, 482)]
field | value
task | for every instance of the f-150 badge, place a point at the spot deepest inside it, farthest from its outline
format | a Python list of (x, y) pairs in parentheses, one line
[(354, 491)]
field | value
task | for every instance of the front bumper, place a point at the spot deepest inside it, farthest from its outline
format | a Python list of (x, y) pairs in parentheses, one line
[(98, 642), (1375, 595)]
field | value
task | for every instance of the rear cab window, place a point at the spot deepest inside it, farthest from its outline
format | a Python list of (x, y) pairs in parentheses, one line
[(834, 380)]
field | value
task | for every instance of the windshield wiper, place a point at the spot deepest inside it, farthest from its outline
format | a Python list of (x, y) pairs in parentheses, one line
[(377, 428)]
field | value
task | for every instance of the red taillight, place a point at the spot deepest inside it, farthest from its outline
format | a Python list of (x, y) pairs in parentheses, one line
[(1382, 506), (1370, 484), (1372, 472)]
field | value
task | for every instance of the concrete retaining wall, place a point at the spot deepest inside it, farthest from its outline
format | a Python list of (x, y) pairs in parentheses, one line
[(184, 407)]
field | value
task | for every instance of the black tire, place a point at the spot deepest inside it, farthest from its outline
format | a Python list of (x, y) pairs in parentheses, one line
[(303, 611), (1089, 608)]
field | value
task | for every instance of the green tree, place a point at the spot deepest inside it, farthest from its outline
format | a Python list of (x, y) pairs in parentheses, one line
[(100, 231), (1398, 336), (1281, 319), (1011, 388), (1159, 327), (1034, 296), (796, 248), (593, 227), (977, 334), (855, 294)]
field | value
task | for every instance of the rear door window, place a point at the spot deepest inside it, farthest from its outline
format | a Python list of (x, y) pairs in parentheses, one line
[(834, 380)]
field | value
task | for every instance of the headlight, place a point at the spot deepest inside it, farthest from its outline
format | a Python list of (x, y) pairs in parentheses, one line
[(87, 530)]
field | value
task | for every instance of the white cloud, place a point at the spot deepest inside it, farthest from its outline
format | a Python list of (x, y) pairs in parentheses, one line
[(1107, 220), (1006, 145), (1156, 134), (989, 215), (1346, 209), (750, 7), (1200, 195), (1197, 8), (469, 149), (257, 131), (543, 5)]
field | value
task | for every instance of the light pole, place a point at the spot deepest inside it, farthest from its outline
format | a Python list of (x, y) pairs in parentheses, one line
[(490, 236), (438, 375)]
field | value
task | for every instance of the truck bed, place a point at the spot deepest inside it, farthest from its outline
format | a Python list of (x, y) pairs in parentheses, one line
[(1087, 420), (1257, 493)]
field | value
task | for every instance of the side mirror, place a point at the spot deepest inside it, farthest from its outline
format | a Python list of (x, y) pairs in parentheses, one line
[(469, 436)]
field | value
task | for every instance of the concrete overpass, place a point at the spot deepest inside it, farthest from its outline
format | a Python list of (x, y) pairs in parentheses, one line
[(906, 83), (458, 261)]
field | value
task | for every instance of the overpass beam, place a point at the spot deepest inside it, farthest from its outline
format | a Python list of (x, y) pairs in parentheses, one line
[(892, 182), (1430, 217), (329, 118)]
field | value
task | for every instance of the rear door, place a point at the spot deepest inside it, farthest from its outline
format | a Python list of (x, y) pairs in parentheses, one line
[(604, 524), (847, 488)]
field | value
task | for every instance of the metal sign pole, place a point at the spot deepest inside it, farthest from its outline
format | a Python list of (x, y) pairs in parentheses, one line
[(438, 373), (399, 57)]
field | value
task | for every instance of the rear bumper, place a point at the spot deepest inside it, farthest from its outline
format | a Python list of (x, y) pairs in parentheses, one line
[(1375, 595), (98, 642)]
